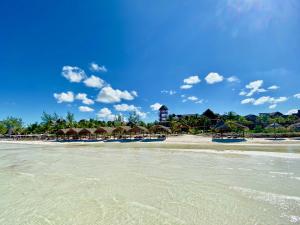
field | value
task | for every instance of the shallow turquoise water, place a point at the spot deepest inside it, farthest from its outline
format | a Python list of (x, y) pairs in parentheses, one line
[(97, 185)]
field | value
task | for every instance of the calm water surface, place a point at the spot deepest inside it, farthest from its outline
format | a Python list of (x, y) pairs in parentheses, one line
[(91, 185)]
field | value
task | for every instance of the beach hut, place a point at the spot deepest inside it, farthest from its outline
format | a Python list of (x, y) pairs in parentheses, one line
[(104, 132), (86, 132), (73, 132), (138, 130), (121, 131)]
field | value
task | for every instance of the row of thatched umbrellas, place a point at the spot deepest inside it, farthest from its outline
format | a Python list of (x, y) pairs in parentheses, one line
[(113, 131)]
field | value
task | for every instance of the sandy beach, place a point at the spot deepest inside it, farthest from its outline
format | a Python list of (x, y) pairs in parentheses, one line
[(194, 142)]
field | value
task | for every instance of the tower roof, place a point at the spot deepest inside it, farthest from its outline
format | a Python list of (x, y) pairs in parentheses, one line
[(163, 107)]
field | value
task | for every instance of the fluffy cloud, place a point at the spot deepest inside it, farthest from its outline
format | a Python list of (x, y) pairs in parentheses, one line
[(97, 68), (105, 114), (192, 80), (212, 78), (292, 111), (199, 101), (170, 92), (94, 82), (85, 109), (186, 86), (265, 99), (192, 98), (64, 97), (155, 106), (233, 79), (262, 100), (248, 100), (255, 86), (73, 74), (134, 93), (297, 95), (273, 106), (85, 100), (125, 107), (273, 87), (242, 93), (110, 95)]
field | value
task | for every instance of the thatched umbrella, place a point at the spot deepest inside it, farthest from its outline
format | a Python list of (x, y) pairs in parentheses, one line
[(121, 130), (138, 130), (160, 129), (73, 132), (104, 131), (86, 132)]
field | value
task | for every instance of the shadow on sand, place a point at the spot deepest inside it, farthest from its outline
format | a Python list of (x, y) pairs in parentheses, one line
[(220, 140)]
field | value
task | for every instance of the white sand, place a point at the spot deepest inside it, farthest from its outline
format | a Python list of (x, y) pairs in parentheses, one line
[(191, 140)]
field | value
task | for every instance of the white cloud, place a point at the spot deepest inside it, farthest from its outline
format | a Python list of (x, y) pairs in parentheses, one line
[(199, 101), (186, 86), (292, 111), (233, 79), (265, 99), (192, 80), (155, 106), (212, 78), (297, 95), (243, 93), (255, 86), (64, 97), (248, 100), (192, 98), (262, 100), (273, 87), (125, 107), (85, 100), (110, 95), (73, 74), (170, 92), (273, 106), (134, 93), (97, 68), (130, 108), (105, 114), (94, 82), (85, 109), (278, 100)]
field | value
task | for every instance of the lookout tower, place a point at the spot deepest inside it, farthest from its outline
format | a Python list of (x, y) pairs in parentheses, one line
[(163, 114)]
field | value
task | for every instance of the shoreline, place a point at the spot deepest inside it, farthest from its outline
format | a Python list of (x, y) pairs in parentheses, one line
[(188, 142)]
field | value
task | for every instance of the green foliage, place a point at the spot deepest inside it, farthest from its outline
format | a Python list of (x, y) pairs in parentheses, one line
[(134, 118), (3, 128)]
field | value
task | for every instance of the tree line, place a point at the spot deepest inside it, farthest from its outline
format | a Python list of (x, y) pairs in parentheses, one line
[(194, 124)]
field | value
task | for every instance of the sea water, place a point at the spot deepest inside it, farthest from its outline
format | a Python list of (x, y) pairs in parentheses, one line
[(108, 185)]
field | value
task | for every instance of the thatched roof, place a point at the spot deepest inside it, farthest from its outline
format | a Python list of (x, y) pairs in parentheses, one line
[(73, 131), (104, 130), (240, 126), (62, 131), (138, 129), (163, 107), (85, 131), (160, 128), (121, 129), (221, 127)]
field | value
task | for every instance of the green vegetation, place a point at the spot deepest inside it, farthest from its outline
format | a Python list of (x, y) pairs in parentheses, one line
[(192, 124)]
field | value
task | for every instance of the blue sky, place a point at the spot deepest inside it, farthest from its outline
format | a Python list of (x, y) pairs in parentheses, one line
[(101, 58)]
